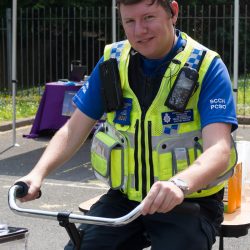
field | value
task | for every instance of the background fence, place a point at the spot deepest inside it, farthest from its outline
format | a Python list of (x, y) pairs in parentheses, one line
[(48, 40)]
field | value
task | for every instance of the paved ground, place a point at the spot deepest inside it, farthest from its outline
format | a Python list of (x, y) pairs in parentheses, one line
[(63, 190)]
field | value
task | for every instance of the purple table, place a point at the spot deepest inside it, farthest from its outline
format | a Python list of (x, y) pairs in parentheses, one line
[(49, 115)]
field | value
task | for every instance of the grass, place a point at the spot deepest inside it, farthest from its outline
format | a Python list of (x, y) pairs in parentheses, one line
[(243, 102), (27, 103)]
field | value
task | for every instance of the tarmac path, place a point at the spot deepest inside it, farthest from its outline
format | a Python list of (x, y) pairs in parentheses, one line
[(63, 190)]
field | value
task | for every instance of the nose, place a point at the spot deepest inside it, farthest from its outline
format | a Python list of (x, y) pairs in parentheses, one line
[(140, 28)]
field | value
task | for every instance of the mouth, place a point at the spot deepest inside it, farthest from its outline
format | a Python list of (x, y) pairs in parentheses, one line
[(145, 40)]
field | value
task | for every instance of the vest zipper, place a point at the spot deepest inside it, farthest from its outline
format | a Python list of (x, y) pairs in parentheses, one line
[(143, 160), (136, 156), (150, 153)]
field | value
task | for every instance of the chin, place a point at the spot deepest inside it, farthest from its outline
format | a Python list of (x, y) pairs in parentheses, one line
[(150, 56), (145, 53)]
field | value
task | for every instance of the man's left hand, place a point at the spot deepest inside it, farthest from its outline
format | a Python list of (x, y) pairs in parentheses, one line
[(162, 197)]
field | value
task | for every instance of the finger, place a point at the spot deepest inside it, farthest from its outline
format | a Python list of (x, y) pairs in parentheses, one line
[(158, 202), (149, 200), (29, 197), (33, 193), (173, 199), (39, 194), (163, 197), (167, 205)]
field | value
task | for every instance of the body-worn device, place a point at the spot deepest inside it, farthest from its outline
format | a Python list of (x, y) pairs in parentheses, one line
[(185, 84), (111, 85)]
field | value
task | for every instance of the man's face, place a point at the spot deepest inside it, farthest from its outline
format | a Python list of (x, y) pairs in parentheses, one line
[(149, 28)]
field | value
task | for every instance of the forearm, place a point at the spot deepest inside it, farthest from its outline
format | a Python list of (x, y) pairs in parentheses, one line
[(165, 195), (213, 161)]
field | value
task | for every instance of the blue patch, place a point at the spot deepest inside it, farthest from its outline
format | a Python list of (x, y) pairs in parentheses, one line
[(175, 117), (171, 129), (175, 127), (122, 116), (167, 130)]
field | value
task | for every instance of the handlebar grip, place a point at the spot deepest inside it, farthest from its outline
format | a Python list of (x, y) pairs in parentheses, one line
[(22, 190), (188, 207)]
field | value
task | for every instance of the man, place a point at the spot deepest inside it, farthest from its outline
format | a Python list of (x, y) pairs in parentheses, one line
[(169, 141)]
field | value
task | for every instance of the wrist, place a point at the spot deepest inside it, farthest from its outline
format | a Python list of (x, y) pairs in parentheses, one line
[(181, 184)]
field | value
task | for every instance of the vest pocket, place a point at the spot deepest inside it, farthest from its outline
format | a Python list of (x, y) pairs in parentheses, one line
[(117, 168), (179, 159), (107, 158), (174, 156)]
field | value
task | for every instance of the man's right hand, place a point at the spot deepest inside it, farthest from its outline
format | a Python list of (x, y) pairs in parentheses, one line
[(34, 183)]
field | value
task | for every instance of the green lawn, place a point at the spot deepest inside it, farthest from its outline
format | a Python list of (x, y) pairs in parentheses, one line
[(27, 104), (243, 106)]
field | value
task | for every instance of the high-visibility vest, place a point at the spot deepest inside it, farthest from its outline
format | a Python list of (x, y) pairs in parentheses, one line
[(131, 152)]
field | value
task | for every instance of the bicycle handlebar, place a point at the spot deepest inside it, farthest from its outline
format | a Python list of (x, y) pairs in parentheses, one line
[(20, 189)]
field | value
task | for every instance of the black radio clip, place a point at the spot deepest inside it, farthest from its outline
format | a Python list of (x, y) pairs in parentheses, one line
[(111, 85)]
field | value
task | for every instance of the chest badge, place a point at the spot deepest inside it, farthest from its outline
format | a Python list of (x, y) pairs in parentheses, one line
[(122, 116), (171, 120), (175, 117)]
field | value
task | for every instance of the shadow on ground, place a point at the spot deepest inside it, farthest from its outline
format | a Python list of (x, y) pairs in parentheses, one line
[(18, 161)]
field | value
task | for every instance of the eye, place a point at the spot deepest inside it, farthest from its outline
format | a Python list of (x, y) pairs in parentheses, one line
[(129, 21), (148, 18)]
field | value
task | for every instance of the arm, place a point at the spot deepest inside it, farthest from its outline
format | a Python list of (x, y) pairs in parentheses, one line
[(61, 148), (214, 160), (164, 195)]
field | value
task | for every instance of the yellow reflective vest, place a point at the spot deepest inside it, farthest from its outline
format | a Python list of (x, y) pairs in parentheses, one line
[(132, 156)]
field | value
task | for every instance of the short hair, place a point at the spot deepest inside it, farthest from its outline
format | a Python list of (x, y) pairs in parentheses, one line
[(164, 3)]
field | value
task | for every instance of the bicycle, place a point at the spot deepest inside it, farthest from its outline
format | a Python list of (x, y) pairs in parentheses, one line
[(68, 219)]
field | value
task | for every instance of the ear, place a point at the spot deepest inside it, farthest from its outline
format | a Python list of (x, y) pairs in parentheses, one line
[(175, 11)]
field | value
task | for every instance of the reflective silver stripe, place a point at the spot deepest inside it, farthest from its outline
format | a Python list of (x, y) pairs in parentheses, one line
[(181, 138), (229, 172), (131, 139), (101, 148), (179, 154), (132, 179), (220, 179), (101, 178), (124, 137), (174, 164), (174, 141), (125, 181), (189, 137), (114, 133), (197, 146)]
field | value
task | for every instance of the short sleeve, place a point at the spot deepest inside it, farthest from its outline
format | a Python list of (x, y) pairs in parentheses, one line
[(216, 101), (88, 99)]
